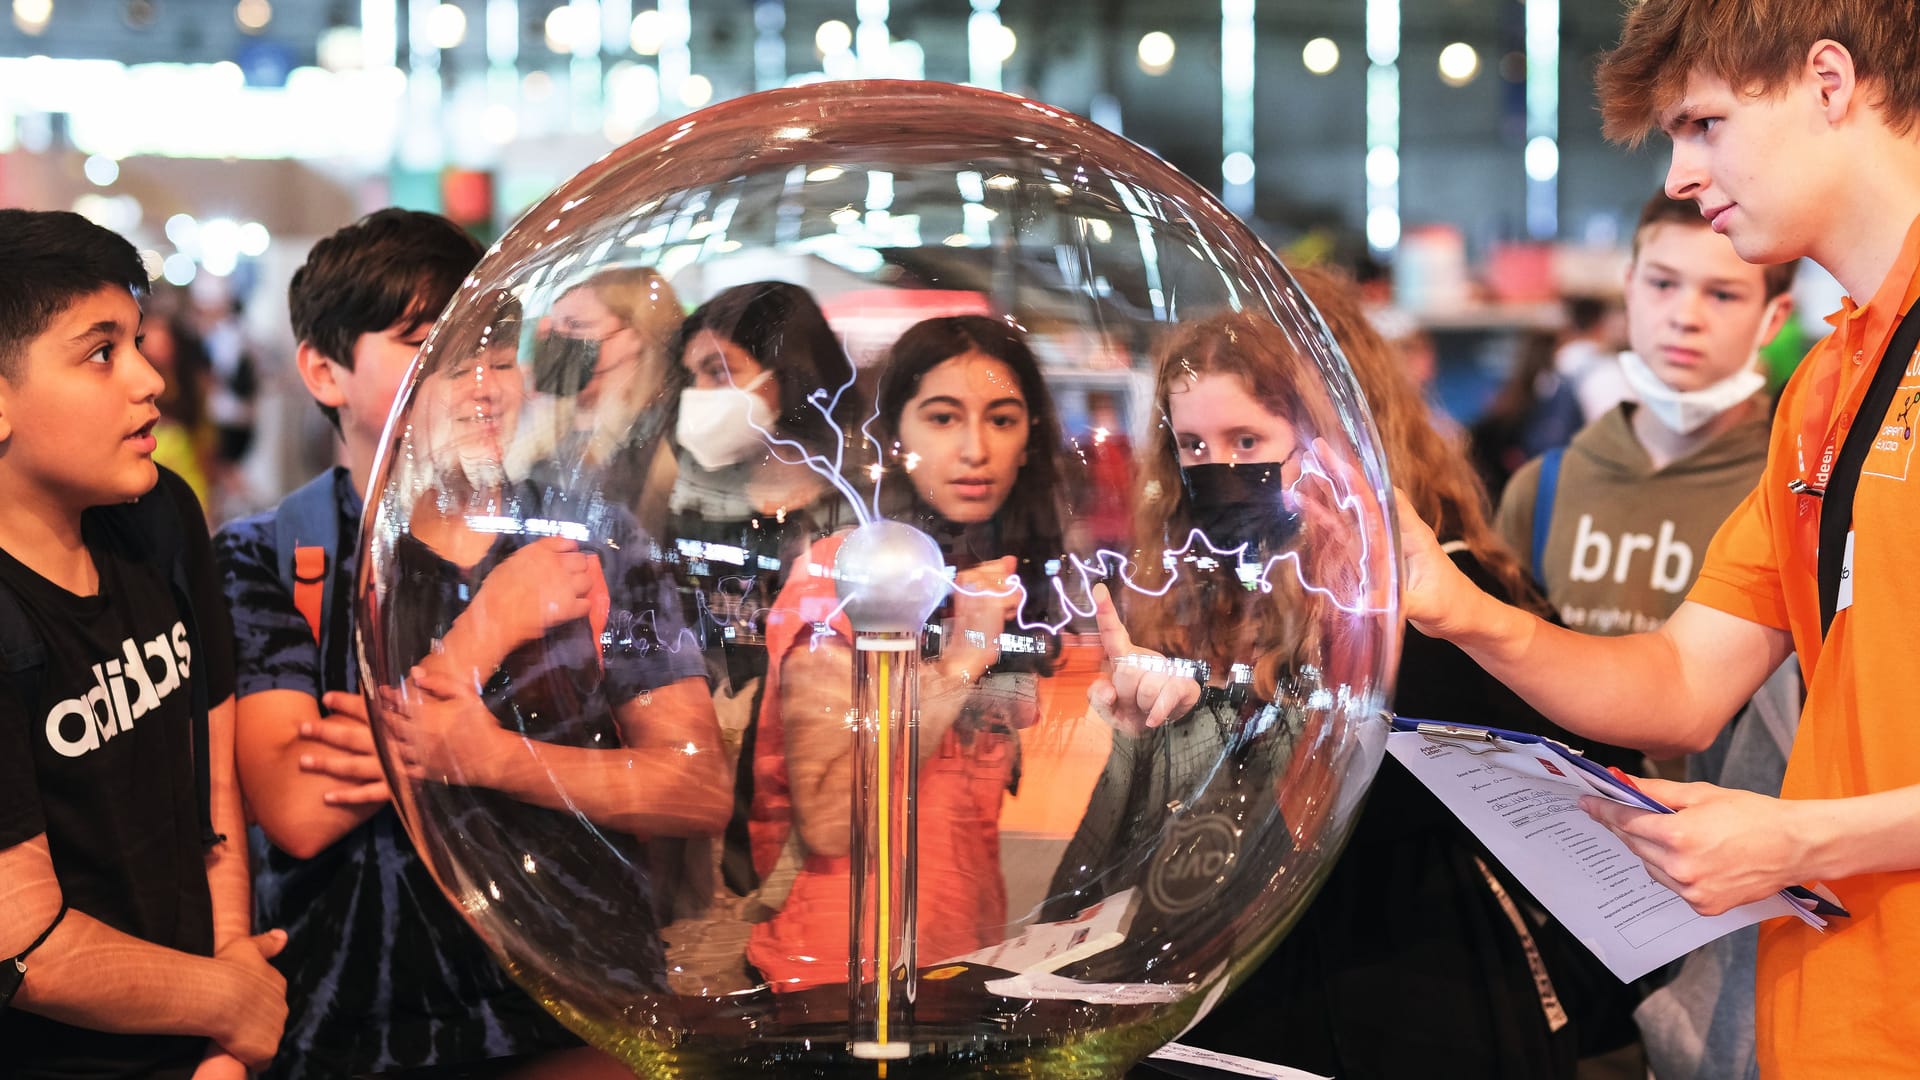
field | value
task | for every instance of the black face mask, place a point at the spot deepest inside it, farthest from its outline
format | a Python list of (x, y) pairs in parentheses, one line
[(564, 365), (1241, 504)]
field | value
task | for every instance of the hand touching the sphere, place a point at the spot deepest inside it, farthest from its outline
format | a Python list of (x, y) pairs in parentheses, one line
[(545, 584), (1144, 689), (442, 729), (984, 598), (1435, 596)]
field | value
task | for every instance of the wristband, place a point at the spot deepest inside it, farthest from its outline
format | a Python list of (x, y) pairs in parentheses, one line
[(13, 971)]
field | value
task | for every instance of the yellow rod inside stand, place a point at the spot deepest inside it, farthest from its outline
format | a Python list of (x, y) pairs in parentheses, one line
[(882, 885)]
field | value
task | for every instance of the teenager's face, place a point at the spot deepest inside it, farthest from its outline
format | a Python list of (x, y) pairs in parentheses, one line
[(1217, 421), (965, 436), (1758, 166), (714, 363), (380, 364), (474, 409), (76, 422), (1696, 311)]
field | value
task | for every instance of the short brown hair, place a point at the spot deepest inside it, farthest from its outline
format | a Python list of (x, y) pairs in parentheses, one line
[(1754, 45), (1661, 210)]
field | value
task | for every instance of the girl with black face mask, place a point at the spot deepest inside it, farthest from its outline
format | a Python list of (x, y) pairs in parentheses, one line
[(597, 421), (1503, 992)]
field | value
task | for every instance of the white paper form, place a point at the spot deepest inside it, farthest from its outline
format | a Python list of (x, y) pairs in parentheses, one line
[(1524, 805), (1229, 1064)]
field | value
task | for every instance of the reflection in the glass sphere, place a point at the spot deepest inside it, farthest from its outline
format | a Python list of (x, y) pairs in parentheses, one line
[(816, 681)]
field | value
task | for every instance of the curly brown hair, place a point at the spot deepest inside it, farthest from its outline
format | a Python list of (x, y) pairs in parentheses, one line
[(1217, 620), (1432, 469)]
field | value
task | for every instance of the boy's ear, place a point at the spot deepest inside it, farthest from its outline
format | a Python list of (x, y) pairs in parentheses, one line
[(1830, 65), (319, 373), (1782, 307)]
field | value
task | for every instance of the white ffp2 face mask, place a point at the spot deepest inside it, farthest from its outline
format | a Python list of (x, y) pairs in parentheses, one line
[(1687, 411), (724, 426)]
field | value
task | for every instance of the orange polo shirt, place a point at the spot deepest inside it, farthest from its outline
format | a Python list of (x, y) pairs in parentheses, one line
[(1845, 1002)]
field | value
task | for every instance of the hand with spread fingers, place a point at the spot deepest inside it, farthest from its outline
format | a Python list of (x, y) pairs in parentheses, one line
[(1143, 689)]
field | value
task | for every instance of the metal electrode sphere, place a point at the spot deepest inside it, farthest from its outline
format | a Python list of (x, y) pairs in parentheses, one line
[(776, 553), (890, 576)]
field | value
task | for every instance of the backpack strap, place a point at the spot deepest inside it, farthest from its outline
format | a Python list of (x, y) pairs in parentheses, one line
[(1543, 507), (306, 537)]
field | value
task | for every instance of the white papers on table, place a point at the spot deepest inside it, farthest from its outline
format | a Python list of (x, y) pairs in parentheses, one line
[(1045, 987), (1051, 946)]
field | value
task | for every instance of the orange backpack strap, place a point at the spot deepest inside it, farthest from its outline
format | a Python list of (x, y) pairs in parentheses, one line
[(306, 547), (310, 586)]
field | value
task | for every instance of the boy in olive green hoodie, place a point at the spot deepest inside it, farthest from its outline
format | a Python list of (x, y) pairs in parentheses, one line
[(1641, 490), (1614, 528)]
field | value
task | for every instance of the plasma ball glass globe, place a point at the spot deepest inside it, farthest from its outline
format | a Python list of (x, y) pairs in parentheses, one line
[(879, 579)]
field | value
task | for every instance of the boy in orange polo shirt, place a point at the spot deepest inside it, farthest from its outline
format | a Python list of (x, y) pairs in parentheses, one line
[(1796, 128)]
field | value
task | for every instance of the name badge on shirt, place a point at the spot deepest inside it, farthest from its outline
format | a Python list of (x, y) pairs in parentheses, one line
[(1845, 599)]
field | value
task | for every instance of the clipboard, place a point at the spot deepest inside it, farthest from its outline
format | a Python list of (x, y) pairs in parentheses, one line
[(1607, 783)]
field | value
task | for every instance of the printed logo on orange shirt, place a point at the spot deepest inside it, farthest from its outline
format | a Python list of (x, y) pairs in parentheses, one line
[(1891, 455)]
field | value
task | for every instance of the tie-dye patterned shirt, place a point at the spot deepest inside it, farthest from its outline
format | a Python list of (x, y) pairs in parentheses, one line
[(381, 972)]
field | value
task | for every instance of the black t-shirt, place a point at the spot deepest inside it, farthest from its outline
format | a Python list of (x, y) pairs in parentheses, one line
[(1407, 914), (96, 752)]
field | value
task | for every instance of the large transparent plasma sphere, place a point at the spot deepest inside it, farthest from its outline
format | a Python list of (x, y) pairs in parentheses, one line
[(879, 579)]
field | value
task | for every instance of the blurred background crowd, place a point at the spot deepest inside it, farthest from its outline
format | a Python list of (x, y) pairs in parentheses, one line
[(1445, 152)]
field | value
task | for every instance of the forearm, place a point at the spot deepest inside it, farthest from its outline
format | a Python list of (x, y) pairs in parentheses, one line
[(942, 696), (92, 976), (1866, 834), (289, 803), (648, 791), (227, 878), (823, 804), (473, 648), (1634, 690)]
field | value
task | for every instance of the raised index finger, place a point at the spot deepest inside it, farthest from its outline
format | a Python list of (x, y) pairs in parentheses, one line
[(1114, 638)]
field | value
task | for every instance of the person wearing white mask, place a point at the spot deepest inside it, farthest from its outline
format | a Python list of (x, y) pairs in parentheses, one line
[(749, 361), (764, 406), (1615, 528)]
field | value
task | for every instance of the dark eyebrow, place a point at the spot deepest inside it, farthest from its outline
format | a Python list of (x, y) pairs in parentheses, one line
[(951, 402), (104, 328)]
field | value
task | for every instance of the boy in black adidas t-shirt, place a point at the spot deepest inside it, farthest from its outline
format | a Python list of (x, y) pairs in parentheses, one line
[(113, 830)]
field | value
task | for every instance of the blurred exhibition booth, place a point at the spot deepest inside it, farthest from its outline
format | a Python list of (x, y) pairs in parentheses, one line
[(1451, 147)]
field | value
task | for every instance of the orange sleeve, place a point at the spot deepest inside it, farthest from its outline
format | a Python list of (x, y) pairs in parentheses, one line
[(1741, 572)]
